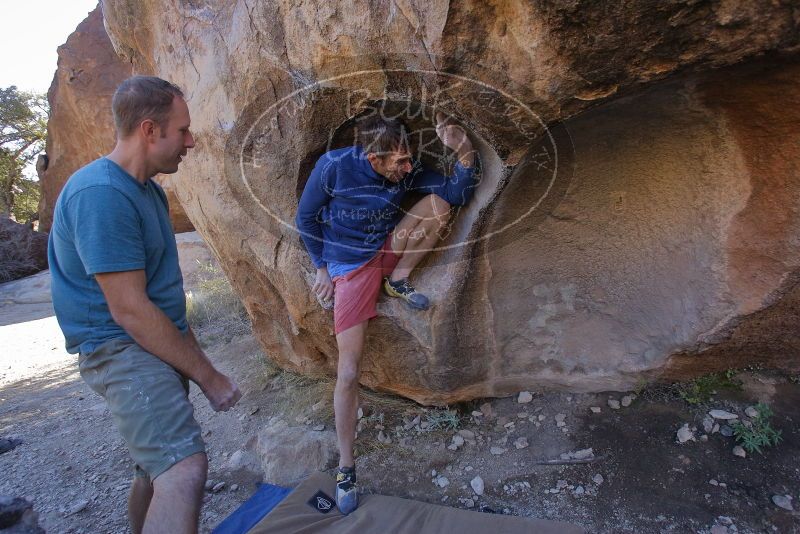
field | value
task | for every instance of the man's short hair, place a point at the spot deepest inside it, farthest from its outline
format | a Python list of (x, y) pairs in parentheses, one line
[(139, 98), (381, 135)]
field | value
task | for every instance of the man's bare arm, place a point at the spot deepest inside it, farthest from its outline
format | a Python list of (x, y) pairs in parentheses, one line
[(131, 308)]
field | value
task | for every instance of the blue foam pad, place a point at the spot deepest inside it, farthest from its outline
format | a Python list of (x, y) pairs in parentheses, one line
[(253, 510)]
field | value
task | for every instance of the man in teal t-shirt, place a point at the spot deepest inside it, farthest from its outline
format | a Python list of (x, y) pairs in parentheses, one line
[(118, 296), (108, 221)]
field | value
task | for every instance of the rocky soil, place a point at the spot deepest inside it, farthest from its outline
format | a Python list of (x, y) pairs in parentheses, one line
[(610, 462)]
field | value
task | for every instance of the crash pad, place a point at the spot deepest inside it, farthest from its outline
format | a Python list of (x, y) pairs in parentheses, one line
[(310, 509)]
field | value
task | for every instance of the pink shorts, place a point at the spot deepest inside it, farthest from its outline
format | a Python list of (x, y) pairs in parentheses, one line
[(356, 293)]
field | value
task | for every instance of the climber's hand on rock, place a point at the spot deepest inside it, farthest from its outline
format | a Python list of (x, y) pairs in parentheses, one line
[(323, 287), (455, 138)]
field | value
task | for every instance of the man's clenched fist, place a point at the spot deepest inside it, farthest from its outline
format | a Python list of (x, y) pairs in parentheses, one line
[(222, 392)]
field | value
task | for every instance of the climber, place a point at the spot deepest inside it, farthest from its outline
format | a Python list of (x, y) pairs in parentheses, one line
[(350, 221)]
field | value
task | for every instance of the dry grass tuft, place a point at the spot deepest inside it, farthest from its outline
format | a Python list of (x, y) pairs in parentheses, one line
[(213, 308), (301, 396)]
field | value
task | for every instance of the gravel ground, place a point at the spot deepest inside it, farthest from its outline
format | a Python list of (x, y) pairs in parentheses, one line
[(75, 469), (72, 463)]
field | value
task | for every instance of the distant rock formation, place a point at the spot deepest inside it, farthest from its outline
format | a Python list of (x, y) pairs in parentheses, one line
[(22, 251), (81, 126), (638, 211)]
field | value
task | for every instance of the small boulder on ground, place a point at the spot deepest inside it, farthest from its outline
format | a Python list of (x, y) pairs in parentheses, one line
[(289, 454), (582, 454), (723, 415), (243, 459), (477, 485), (685, 434), (708, 424), (468, 435), (783, 501), (76, 507)]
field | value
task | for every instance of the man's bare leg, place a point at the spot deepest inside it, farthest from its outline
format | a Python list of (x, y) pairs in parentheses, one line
[(345, 395), (417, 233), (178, 497), (138, 503)]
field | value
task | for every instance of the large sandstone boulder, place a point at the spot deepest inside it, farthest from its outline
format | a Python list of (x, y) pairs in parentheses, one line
[(637, 214), (81, 127)]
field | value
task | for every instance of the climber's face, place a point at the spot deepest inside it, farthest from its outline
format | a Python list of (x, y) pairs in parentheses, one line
[(171, 139), (393, 166)]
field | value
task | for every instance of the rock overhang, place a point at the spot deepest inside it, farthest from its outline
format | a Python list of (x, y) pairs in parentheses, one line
[(636, 253)]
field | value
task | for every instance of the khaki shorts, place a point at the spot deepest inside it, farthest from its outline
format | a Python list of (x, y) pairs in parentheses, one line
[(149, 401)]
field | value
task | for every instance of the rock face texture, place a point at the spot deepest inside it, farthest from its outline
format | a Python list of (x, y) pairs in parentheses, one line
[(81, 127), (637, 213)]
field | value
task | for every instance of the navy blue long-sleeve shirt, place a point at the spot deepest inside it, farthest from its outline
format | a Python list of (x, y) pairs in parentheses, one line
[(347, 209)]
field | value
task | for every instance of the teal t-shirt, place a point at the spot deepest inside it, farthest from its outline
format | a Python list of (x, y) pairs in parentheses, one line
[(107, 221)]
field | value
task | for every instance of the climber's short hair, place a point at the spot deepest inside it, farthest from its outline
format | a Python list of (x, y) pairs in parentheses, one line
[(139, 98), (381, 135)]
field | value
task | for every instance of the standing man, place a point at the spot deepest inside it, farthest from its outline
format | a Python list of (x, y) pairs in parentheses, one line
[(118, 296), (350, 221)]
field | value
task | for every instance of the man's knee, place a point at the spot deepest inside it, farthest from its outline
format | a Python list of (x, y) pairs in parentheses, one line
[(436, 219), (347, 376), (439, 207)]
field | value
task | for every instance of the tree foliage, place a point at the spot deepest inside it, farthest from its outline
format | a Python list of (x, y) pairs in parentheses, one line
[(23, 128)]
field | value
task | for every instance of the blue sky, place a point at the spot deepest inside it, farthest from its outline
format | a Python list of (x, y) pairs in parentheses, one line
[(30, 32)]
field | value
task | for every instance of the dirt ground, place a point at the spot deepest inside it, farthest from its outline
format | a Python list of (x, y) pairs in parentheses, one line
[(74, 467)]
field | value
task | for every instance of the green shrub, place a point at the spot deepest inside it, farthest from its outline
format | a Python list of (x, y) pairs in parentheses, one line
[(759, 433), (443, 419), (700, 390)]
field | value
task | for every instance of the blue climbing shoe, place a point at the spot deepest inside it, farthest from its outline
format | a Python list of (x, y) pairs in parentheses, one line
[(346, 490), (402, 289)]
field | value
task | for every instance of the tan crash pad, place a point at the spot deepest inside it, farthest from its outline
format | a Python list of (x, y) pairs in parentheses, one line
[(378, 514)]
